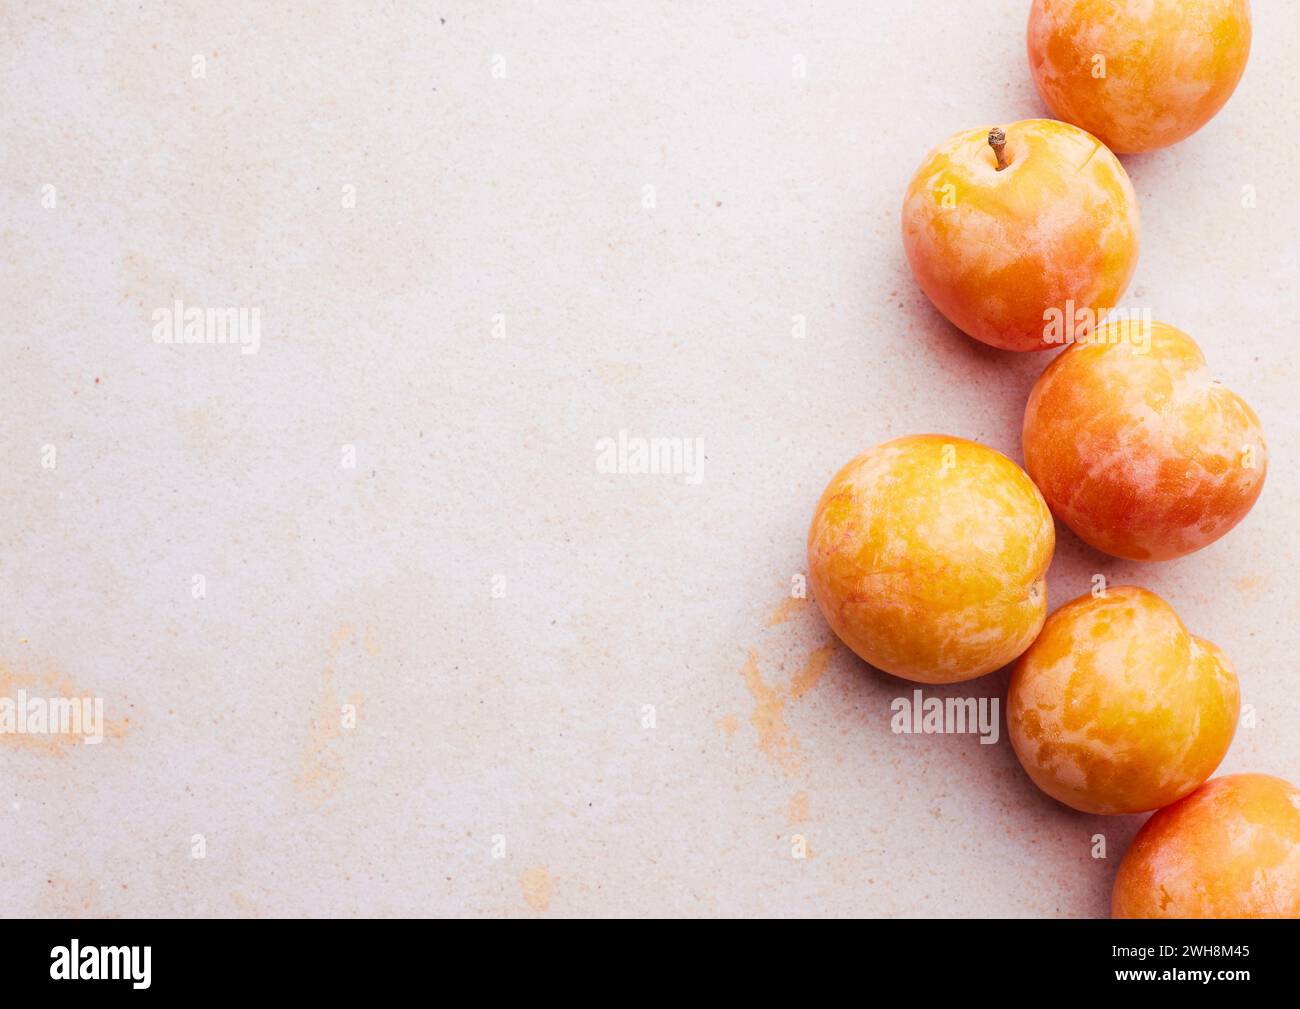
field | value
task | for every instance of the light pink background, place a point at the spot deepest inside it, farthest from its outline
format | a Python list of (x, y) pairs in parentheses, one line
[(515, 726)]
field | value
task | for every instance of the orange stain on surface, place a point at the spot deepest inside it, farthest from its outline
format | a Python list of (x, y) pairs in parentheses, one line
[(71, 898), (246, 908), (775, 739), (798, 810), (790, 607), (323, 752), (538, 887), (806, 678), (728, 724), (48, 685), (347, 634)]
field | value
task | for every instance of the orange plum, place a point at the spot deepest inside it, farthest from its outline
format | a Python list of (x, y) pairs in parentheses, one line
[(927, 556), (998, 248), (1138, 76), (1137, 448), (1231, 849), (1116, 708)]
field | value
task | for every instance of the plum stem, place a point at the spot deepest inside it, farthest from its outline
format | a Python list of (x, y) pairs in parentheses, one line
[(998, 141)]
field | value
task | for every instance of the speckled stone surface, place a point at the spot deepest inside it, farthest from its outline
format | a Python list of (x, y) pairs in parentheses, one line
[(475, 672)]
